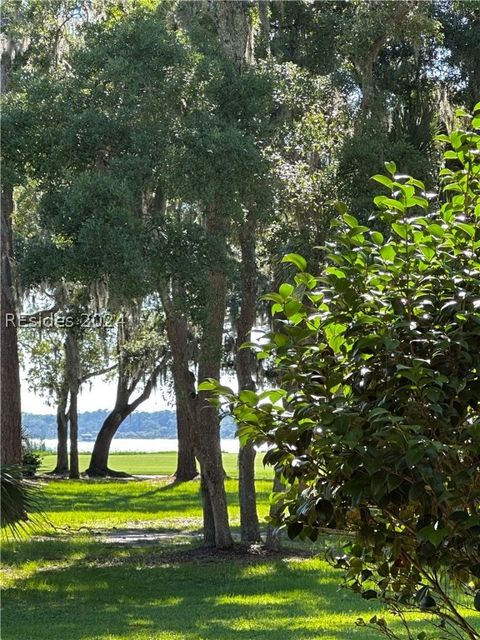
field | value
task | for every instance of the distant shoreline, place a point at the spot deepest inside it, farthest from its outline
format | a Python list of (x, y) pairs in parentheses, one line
[(133, 445)]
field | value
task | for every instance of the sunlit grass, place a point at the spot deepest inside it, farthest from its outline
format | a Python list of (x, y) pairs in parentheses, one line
[(69, 582), (163, 463)]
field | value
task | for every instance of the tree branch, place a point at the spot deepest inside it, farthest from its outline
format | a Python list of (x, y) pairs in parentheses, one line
[(98, 372), (148, 387)]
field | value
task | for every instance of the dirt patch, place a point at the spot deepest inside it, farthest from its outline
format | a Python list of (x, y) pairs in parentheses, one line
[(142, 537), (238, 553)]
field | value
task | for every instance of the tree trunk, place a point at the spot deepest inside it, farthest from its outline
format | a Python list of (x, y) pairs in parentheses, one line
[(98, 466), (263, 44), (72, 367), (11, 420), (186, 462), (235, 35), (208, 520), (207, 427), (183, 381), (274, 538), (11, 417), (249, 526), (73, 418), (61, 467)]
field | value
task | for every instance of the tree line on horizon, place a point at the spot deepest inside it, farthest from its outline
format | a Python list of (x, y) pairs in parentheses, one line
[(141, 424)]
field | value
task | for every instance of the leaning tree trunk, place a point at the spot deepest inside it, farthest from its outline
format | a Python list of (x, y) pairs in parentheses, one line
[(207, 427), (72, 366), (249, 526), (98, 466), (183, 381)]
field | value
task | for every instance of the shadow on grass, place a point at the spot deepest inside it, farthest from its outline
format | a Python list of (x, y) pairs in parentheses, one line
[(116, 497), (90, 591), (150, 596)]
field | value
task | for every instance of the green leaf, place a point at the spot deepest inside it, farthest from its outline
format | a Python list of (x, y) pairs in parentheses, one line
[(436, 230), (208, 385), (285, 290), (391, 167), (433, 535), (468, 228), (388, 252), (383, 180), (296, 259), (377, 237), (388, 203), (351, 221), (460, 113), (427, 252), (248, 397), (400, 229), (450, 155)]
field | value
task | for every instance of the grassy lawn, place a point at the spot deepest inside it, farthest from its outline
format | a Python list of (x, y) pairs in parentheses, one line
[(83, 577), (154, 463)]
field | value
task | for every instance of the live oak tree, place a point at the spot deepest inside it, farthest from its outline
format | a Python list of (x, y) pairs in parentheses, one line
[(141, 358), (120, 170), (93, 191)]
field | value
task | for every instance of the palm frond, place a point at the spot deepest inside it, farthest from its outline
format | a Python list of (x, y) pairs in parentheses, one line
[(20, 504)]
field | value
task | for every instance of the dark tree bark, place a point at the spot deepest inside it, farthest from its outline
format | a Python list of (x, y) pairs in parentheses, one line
[(207, 427), (11, 420), (72, 367), (74, 472), (235, 35), (274, 538), (98, 466), (249, 526), (61, 467), (126, 385), (10, 417), (186, 462), (183, 381), (263, 44)]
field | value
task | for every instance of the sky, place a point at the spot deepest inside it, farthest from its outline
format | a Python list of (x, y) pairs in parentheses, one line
[(100, 395)]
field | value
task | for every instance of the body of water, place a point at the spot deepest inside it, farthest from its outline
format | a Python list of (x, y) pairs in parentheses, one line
[(143, 445)]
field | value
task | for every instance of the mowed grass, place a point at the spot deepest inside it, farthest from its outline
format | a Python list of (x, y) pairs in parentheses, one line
[(72, 581), (155, 463)]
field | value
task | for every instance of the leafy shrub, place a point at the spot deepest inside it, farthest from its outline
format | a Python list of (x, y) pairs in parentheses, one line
[(31, 460), (375, 425)]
